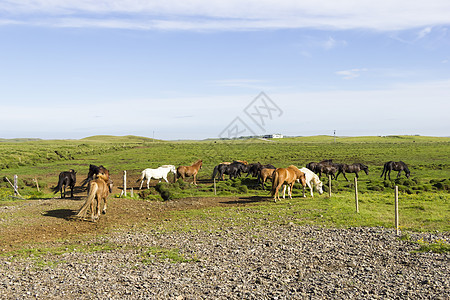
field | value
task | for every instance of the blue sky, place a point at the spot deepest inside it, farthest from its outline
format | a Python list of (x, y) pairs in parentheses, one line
[(190, 69)]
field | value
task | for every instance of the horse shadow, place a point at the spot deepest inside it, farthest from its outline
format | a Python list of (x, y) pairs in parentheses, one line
[(66, 214), (247, 200)]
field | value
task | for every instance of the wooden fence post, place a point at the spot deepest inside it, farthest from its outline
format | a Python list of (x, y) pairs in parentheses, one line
[(37, 183), (356, 195), (124, 183), (329, 183), (397, 229), (16, 187)]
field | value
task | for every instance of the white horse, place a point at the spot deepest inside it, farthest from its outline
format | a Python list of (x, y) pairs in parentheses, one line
[(311, 178), (158, 173)]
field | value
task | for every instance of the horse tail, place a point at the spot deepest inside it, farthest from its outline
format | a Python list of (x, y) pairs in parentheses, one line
[(216, 169), (384, 169), (142, 177), (275, 178), (93, 187), (59, 186)]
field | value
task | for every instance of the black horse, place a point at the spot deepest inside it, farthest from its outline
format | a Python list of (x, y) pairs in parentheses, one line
[(66, 179), (353, 168), (327, 167), (234, 170), (94, 170), (312, 166), (395, 166)]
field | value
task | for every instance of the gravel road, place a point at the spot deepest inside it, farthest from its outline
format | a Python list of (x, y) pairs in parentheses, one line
[(280, 262)]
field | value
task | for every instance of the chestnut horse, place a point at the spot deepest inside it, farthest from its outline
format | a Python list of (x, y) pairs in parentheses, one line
[(286, 176), (98, 191), (188, 171)]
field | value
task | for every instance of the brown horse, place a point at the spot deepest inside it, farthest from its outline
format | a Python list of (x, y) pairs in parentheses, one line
[(188, 171), (98, 191), (265, 174), (94, 170), (286, 176)]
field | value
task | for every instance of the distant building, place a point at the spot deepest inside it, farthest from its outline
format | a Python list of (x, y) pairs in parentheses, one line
[(273, 136)]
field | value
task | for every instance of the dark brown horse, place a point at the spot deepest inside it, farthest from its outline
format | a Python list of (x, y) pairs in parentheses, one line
[(95, 170), (395, 166), (66, 179), (327, 167), (188, 171), (353, 168)]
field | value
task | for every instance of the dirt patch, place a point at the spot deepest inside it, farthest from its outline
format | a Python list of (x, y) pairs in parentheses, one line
[(52, 219)]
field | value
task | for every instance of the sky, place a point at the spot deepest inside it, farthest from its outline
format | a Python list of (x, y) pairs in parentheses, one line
[(198, 69)]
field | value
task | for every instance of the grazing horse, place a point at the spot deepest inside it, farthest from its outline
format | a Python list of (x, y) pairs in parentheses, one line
[(188, 171), (353, 168), (286, 176), (66, 179), (95, 170), (255, 170), (234, 170), (311, 178), (327, 167), (264, 174), (312, 166), (158, 173), (98, 191), (396, 166)]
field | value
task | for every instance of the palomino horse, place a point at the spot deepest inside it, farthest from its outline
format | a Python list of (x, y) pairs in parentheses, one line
[(312, 178), (396, 166), (286, 176), (158, 173), (66, 179), (353, 168), (188, 171), (98, 191)]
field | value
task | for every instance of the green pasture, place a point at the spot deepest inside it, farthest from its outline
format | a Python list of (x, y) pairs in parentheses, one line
[(424, 197)]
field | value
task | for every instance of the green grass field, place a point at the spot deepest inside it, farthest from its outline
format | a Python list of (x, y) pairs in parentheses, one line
[(423, 197)]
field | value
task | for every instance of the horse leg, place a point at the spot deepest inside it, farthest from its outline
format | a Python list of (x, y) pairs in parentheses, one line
[(148, 183), (165, 178), (142, 182), (398, 175), (343, 173), (290, 188), (104, 207), (389, 175)]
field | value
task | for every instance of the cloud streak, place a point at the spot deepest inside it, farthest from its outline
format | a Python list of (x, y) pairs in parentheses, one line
[(201, 15)]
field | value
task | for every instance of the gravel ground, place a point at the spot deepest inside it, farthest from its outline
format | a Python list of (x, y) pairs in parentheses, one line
[(281, 262)]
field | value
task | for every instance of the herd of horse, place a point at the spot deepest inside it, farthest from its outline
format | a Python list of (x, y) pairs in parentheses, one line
[(99, 184)]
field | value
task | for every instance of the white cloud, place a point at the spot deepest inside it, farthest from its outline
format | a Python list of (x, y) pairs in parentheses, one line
[(231, 14), (351, 74), (424, 32)]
